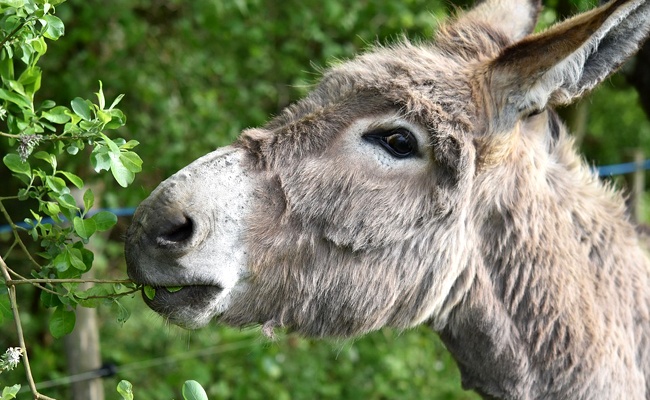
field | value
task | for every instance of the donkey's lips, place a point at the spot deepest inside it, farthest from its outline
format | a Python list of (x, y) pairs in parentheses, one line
[(188, 294)]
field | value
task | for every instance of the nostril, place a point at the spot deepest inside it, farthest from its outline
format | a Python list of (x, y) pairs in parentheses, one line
[(178, 233), (170, 226)]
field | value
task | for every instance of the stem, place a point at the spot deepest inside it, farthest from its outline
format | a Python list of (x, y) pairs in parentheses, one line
[(10, 249), (19, 332), (16, 29), (9, 135), (24, 281), (113, 296), (35, 282), (18, 239), (22, 278)]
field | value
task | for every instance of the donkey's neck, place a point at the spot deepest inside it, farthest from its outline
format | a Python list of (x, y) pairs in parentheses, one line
[(559, 307)]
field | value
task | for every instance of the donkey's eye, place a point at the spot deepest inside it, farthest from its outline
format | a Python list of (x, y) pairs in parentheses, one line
[(398, 142)]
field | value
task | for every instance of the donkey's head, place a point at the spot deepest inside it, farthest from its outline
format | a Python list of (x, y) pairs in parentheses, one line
[(365, 204)]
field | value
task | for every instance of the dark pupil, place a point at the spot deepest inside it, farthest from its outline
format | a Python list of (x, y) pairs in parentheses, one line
[(400, 143)]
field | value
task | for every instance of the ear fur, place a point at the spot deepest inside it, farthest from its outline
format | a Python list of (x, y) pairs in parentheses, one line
[(514, 18), (559, 65)]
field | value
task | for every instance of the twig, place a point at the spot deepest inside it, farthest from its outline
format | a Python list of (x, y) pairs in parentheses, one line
[(18, 239), (46, 138), (22, 278), (112, 296), (24, 281), (35, 282), (11, 248), (16, 29), (9, 135), (19, 332)]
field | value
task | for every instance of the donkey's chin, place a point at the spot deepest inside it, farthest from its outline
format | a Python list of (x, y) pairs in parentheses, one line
[(191, 307)]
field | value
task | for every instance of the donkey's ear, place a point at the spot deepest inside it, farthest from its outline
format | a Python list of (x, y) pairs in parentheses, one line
[(514, 18), (559, 65)]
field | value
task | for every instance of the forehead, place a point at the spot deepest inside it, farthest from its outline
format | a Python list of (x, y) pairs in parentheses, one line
[(419, 82)]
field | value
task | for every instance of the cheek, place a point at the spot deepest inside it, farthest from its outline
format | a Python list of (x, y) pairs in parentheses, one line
[(353, 206)]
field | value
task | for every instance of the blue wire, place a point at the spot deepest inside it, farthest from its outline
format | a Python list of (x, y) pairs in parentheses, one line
[(120, 212)]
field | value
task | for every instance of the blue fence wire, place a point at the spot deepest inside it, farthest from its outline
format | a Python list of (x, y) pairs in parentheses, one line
[(620, 169), (120, 212), (604, 171)]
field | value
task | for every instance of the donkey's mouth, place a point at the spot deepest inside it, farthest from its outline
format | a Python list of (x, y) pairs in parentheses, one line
[(181, 293), (190, 306)]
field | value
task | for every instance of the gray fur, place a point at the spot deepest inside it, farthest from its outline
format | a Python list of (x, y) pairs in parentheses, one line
[(497, 234)]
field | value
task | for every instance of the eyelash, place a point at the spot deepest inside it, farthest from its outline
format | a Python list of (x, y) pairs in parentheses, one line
[(399, 142)]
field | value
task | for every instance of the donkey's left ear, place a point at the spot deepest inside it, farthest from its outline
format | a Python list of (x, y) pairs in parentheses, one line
[(559, 65)]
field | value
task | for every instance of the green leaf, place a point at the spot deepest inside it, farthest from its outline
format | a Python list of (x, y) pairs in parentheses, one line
[(53, 210), (100, 159), (149, 292), (64, 200), (57, 115), (40, 46), (104, 220), (76, 259), (192, 390), (125, 389), (74, 121), (103, 116), (49, 300), (129, 145), (89, 200), (72, 150), (5, 309), (10, 392), (15, 164), (74, 179), (55, 184), (69, 213), (15, 98), (95, 291), (123, 314), (62, 261), (12, 3), (47, 104), (47, 157), (100, 97), (81, 108), (27, 53), (17, 87), (84, 228), (121, 173), (117, 119), (116, 101), (131, 161), (62, 322), (54, 28), (31, 80), (7, 67), (172, 289), (87, 256), (111, 144)]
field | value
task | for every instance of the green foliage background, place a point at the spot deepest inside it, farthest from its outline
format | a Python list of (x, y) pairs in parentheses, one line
[(195, 74)]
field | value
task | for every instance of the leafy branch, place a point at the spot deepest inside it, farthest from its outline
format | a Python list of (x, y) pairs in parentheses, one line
[(44, 136)]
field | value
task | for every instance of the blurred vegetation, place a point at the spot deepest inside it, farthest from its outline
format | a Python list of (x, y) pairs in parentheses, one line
[(195, 74)]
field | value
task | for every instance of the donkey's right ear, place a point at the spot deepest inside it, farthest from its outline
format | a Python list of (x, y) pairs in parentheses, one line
[(559, 65)]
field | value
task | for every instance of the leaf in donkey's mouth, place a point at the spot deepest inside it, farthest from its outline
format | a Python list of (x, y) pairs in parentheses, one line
[(172, 289), (149, 292)]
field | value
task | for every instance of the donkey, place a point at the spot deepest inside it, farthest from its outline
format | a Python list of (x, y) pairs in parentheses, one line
[(428, 183)]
